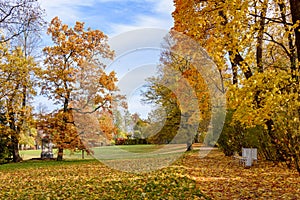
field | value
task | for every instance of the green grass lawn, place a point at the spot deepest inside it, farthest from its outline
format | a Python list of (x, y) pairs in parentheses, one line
[(112, 152), (29, 154), (140, 148)]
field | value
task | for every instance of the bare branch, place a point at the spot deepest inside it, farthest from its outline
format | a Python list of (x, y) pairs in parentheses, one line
[(278, 43), (272, 19)]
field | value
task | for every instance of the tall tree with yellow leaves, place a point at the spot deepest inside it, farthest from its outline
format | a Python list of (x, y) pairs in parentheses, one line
[(15, 74), (182, 92), (20, 20), (258, 43)]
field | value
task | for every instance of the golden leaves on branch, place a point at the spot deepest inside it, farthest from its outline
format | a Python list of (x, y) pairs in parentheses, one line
[(74, 60), (16, 84), (75, 77)]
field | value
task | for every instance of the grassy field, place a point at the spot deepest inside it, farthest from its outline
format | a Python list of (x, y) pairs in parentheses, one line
[(190, 177), (111, 152), (29, 154)]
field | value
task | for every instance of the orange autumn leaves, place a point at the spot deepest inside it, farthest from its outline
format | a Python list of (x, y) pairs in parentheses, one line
[(75, 78)]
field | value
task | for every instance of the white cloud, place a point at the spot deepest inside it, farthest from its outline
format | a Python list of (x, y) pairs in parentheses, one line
[(67, 10), (160, 19), (164, 6), (141, 21), (70, 11)]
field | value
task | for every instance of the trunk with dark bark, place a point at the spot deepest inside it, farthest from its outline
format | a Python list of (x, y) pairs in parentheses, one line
[(189, 146), (15, 149), (260, 37), (14, 137), (295, 11), (60, 154)]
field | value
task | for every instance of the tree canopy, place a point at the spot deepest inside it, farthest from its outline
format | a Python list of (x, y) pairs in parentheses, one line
[(256, 44)]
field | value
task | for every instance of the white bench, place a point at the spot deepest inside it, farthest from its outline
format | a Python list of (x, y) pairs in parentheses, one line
[(249, 155)]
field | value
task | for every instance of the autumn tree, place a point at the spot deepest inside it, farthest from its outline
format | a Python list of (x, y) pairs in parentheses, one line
[(15, 73), (273, 91), (74, 76), (258, 43), (106, 125), (140, 129), (182, 92), (5, 153), (164, 124), (123, 119), (19, 20), (59, 122)]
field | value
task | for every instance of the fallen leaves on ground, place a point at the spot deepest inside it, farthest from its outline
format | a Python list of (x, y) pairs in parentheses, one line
[(93, 180), (220, 177), (191, 177)]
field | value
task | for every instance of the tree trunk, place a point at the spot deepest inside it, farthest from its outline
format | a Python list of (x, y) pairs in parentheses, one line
[(189, 146), (197, 140), (14, 136), (260, 37), (82, 153), (65, 121), (60, 154), (295, 11), (236, 58), (15, 149), (292, 49)]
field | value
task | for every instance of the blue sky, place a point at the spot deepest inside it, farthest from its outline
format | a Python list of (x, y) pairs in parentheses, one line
[(112, 16), (115, 17)]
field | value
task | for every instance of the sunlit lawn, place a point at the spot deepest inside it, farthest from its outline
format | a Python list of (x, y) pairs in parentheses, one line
[(29, 154), (108, 152)]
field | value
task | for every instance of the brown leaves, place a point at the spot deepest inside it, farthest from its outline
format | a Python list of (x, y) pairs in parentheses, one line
[(220, 177), (108, 81), (191, 177), (60, 127)]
